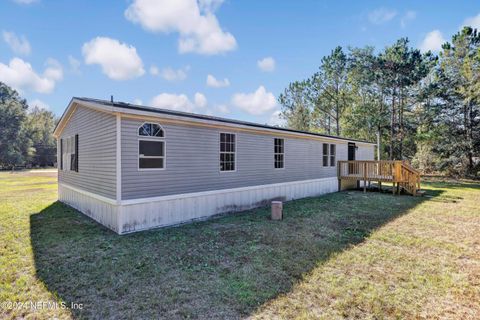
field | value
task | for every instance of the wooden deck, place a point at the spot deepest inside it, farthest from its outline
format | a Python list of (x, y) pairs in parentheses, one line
[(400, 173)]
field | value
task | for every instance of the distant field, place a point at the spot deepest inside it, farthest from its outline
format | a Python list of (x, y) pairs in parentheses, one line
[(343, 255)]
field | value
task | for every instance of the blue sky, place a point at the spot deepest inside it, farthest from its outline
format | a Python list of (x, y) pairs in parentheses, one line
[(161, 52)]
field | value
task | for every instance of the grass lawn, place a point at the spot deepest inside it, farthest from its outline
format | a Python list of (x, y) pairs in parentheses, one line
[(343, 255)]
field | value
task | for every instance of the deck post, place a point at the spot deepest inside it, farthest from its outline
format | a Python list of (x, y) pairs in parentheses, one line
[(365, 177), (338, 176)]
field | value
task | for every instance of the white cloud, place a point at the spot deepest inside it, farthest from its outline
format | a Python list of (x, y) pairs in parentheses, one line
[(38, 103), (200, 100), (276, 119), (196, 24), (255, 103), (19, 45), (21, 76), (214, 83), (180, 102), (407, 17), (138, 101), (54, 70), (25, 1), (74, 64), (119, 61), (432, 42), (169, 73), (381, 15), (473, 22), (154, 71), (266, 64), (209, 5)]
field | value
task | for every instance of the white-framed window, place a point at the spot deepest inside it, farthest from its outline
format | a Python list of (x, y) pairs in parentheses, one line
[(69, 153), (332, 155), (279, 153), (227, 151), (151, 148), (325, 154), (328, 152)]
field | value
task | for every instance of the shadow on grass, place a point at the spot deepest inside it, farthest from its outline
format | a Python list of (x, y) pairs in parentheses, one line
[(222, 268)]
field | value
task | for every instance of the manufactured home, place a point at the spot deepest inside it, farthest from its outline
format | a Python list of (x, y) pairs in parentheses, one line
[(133, 167)]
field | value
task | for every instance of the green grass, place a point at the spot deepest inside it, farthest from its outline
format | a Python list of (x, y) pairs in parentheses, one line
[(343, 255)]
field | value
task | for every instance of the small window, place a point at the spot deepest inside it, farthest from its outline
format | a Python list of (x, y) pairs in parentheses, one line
[(227, 152), (151, 154), (332, 155), (69, 153), (278, 153), (151, 130), (325, 154)]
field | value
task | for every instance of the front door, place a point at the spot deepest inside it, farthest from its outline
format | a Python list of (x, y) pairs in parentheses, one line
[(352, 168), (351, 151)]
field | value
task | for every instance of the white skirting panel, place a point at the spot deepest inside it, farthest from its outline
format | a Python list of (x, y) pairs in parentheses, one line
[(100, 209), (142, 214)]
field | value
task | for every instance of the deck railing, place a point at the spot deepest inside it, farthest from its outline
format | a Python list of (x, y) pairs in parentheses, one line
[(400, 173)]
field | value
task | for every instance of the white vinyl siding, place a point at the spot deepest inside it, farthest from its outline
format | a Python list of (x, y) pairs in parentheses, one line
[(96, 152), (192, 163)]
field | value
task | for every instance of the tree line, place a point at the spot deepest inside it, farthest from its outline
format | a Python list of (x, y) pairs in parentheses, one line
[(26, 137), (419, 106)]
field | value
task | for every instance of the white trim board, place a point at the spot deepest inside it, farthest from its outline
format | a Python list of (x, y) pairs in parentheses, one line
[(119, 159), (90, 194)]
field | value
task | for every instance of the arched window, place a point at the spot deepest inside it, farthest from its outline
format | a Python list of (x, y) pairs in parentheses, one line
[(151, 130), (151, 150)]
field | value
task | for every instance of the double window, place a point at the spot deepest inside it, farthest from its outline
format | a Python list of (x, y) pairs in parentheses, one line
[(227, 152), (278, 153), (151, 148), (329, 152), (69, 153)]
